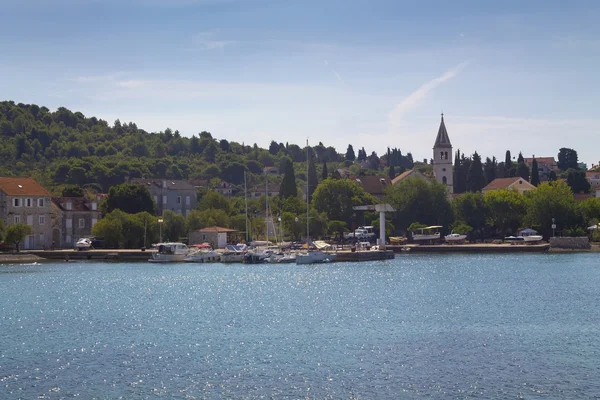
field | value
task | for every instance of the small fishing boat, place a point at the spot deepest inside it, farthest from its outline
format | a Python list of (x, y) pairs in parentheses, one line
[(170, 252)]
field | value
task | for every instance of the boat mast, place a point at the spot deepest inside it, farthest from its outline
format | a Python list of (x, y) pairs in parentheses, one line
[(307, 196), (266, 208), (246, 201)]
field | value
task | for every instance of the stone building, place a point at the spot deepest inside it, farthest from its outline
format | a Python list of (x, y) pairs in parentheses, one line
[(23, 200), (74, 218), (442, 158)]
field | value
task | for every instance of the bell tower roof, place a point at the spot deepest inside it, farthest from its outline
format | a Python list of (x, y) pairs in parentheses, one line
[(442, 139)]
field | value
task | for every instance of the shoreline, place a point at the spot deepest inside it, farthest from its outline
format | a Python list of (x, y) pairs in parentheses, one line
[(15, 258)]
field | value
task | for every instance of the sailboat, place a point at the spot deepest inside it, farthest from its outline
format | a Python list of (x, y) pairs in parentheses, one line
[(311, 256)]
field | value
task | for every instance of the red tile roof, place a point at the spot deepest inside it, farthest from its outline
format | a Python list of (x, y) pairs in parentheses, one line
[(503, 183), (22, 187), (406, 174), (540, 160), (374, 185)]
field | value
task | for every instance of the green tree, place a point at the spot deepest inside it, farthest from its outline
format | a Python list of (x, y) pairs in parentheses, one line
[(293, 224), (489, 169), (313, 180), (288, 186), (128, 198), (523, 171), (350, 155), (470, 208), (577, 181), (173, 226), (567, 159), (337, 227), (475, 178), (111, 230), (552, 200), (392, 172), (72, 191), (337, 197), (552, 176), (324, 173), (506, 209), (589, 209), (417, 200), (535, 173), (16, 233), (214, 201)]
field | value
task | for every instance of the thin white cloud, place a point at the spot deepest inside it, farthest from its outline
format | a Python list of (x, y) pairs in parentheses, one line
[(207, 41), (421, 93)]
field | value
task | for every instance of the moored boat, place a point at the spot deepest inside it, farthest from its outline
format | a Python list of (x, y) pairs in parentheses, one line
[(455, 237), (169, 252), (203, 256)]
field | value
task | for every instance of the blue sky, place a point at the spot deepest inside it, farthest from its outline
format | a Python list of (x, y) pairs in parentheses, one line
[(510, 75)]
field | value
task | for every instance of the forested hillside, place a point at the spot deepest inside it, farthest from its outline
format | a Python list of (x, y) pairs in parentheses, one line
[(65, 147)]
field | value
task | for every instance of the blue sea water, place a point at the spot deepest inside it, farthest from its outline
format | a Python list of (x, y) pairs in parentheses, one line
[(437, 326)]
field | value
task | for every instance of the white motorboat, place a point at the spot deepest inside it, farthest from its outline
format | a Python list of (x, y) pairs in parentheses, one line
[(83, 244), (455, 237), (530, 235), (427, 234), (232, 254), (170, 252), (203, 256)]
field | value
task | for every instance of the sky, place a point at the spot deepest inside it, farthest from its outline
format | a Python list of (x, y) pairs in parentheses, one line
[(511, 75)]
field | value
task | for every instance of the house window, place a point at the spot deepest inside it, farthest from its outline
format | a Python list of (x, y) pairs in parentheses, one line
[(446, 154), (69, 205), (94, 220), (156, 200), (42, 238), (30, 220), (17, 219), (178, 199), (17, 202), (42, 220), (204, 236), (81, 223), (164, 199), (187, 200), (28, 202), (444, 180), (94, 206), (69, 222), (40, 202)]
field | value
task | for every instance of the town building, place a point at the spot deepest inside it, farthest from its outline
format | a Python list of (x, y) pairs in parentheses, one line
[(23, 200), (515, 183), (593, 178), (271, 170), (73, 218), (225, 188), (259, 190), (442, 157), (545, 166), (374, 185), (407, 174), (173, 195), (216, 236)]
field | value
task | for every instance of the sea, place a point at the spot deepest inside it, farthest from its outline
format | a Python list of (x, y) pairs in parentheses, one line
[(485, 326)]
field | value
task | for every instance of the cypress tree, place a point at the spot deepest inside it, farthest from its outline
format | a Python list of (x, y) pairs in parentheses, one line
[(535, 173), (456, 172), (509, 168), (350, 153), (523, 171), (475, 178), (313, 180), (324, 174), (520, 159), (288, 186), (392, 172)]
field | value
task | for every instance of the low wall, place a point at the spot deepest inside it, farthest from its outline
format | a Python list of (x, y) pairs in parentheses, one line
[(573, 243)]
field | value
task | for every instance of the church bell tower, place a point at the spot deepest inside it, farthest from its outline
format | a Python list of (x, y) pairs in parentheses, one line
[(442, 158)]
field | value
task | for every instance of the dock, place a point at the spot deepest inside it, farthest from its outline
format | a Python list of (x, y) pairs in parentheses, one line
[(369, 255), (98, 255), (471, 248)]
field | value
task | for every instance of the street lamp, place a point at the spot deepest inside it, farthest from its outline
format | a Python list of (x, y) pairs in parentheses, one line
[(160, 221), (553, 227), (280, 229)]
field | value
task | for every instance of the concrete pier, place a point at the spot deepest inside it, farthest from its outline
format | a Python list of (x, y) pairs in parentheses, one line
[(471, 248)]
